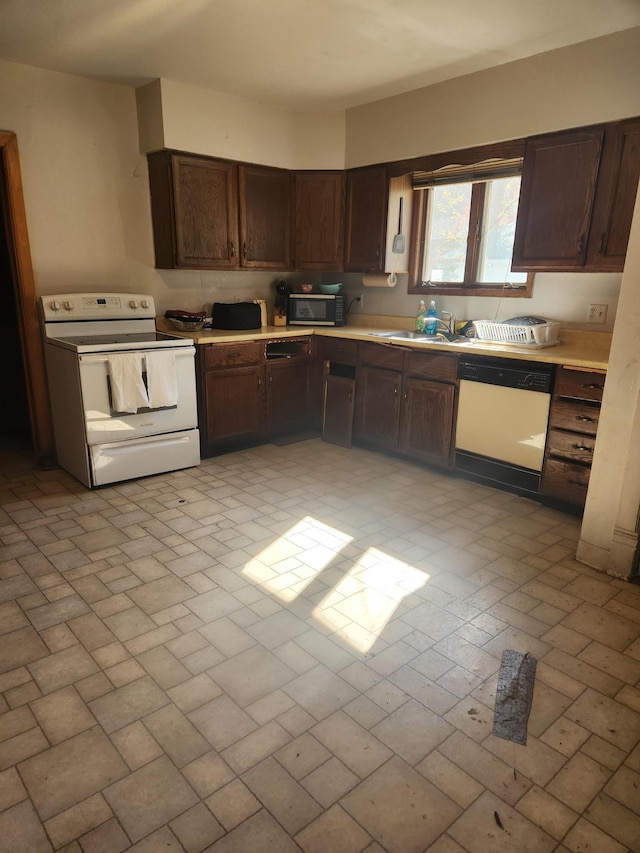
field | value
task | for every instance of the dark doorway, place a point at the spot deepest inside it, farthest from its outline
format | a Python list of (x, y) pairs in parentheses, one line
[(15, 424), (24, 412)]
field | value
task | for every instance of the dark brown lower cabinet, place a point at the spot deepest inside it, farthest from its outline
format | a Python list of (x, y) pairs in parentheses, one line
[(287, 394), (409, 409), (234, 404), (250, 391), (339, 398), (426, 422), (377, 417), (573, 424)]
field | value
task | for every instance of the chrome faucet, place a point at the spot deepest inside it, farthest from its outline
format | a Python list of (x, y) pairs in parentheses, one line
[(450, 323)]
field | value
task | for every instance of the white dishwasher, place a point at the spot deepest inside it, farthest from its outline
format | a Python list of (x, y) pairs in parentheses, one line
[(501, 428)]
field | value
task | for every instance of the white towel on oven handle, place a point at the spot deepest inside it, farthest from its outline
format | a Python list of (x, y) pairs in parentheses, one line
[(128, 391), (162, 385)]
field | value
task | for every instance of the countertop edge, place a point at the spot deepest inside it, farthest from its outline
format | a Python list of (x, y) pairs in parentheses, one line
[(586, 355)]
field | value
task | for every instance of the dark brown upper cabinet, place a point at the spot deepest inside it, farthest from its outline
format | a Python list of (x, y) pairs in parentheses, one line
[(319, 220), (366, 219), (615, 196), (577, 198), (559, 176), (194, 207), (265, 218)]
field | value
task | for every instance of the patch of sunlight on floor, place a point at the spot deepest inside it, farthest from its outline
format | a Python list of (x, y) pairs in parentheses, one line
[(360, 605), (289, 564)]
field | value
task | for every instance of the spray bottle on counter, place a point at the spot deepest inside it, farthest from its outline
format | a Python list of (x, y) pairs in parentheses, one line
[(431, 320)]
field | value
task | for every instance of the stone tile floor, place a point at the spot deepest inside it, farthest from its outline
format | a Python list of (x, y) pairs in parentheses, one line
[(296, 648)]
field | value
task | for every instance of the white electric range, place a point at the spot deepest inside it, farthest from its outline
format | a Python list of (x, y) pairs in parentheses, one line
[(89, 339)]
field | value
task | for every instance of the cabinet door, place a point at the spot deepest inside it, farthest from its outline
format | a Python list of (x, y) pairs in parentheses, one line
[(339, 394), (366, 219), (265, 218), (426, 425), (234, 404), (287, 395), (615, 196), (206, 213), (378, 406), (319, 220), (556, 200)]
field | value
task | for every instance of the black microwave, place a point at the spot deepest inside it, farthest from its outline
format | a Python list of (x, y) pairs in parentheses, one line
[(315, 309)]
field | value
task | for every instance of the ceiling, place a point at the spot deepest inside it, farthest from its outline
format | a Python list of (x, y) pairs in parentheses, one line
[(297, 54)]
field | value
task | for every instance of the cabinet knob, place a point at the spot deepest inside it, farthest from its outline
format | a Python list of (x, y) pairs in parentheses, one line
[(593, 386), (232, 249), (583, 448), (244, 249), (585, 419)]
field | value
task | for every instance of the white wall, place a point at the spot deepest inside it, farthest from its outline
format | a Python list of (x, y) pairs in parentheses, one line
[(556, 296), (220, 125), (86, 193), (591, 82)]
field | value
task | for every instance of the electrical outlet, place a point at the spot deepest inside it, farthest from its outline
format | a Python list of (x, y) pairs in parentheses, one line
[(597, 314), (237, 298), (361, 301)]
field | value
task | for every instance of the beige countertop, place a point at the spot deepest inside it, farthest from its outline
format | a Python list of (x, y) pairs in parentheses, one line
[(588, 350)]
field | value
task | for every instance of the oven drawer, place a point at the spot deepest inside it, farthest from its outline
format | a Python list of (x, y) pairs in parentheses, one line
[(140, 457), (565, 481), (234, 355), (580, 384), (572, 446), (576, 416)]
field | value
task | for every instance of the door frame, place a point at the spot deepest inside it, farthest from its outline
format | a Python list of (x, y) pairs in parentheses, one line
[(12, 199)]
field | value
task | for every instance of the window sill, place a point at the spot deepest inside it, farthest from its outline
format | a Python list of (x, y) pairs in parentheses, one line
[(523, 291)]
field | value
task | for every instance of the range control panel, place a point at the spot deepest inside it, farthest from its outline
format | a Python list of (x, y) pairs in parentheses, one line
[(96, 306)]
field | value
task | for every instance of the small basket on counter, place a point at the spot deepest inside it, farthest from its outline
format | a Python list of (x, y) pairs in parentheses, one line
[(185, 321), (535, 335)]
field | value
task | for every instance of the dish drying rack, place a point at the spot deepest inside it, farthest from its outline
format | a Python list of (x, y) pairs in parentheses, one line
[(533, 337)]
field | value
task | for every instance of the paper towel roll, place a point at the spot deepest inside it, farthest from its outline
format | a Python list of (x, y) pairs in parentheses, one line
[(380, 280)]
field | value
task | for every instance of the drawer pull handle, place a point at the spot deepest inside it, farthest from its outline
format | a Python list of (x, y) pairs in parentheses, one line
[(583, 448), (576, 483), (593, 387), (234, 355), (585, 419)]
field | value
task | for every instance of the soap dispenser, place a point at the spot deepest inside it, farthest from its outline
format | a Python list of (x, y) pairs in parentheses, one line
[(421, 317), (431, 320)]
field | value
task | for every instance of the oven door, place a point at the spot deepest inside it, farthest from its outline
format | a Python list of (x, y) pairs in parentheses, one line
[(103, 424)]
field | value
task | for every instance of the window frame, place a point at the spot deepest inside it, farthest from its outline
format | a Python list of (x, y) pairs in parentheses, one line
[(470, 286)]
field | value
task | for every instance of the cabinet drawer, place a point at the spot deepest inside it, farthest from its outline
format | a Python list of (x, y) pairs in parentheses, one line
[(234, 355), (581, 384), (575, 416), (569, 445), (433, 366), (565, 481), (340, 350), (381, 355)]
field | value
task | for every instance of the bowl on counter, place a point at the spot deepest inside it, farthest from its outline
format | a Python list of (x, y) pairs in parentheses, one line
[(329, 289), (185, 325)]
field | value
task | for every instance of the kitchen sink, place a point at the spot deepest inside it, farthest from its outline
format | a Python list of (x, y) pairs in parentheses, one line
[(419, 337)]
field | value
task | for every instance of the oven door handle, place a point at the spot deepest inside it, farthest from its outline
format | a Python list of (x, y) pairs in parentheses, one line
[(102, 358)]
